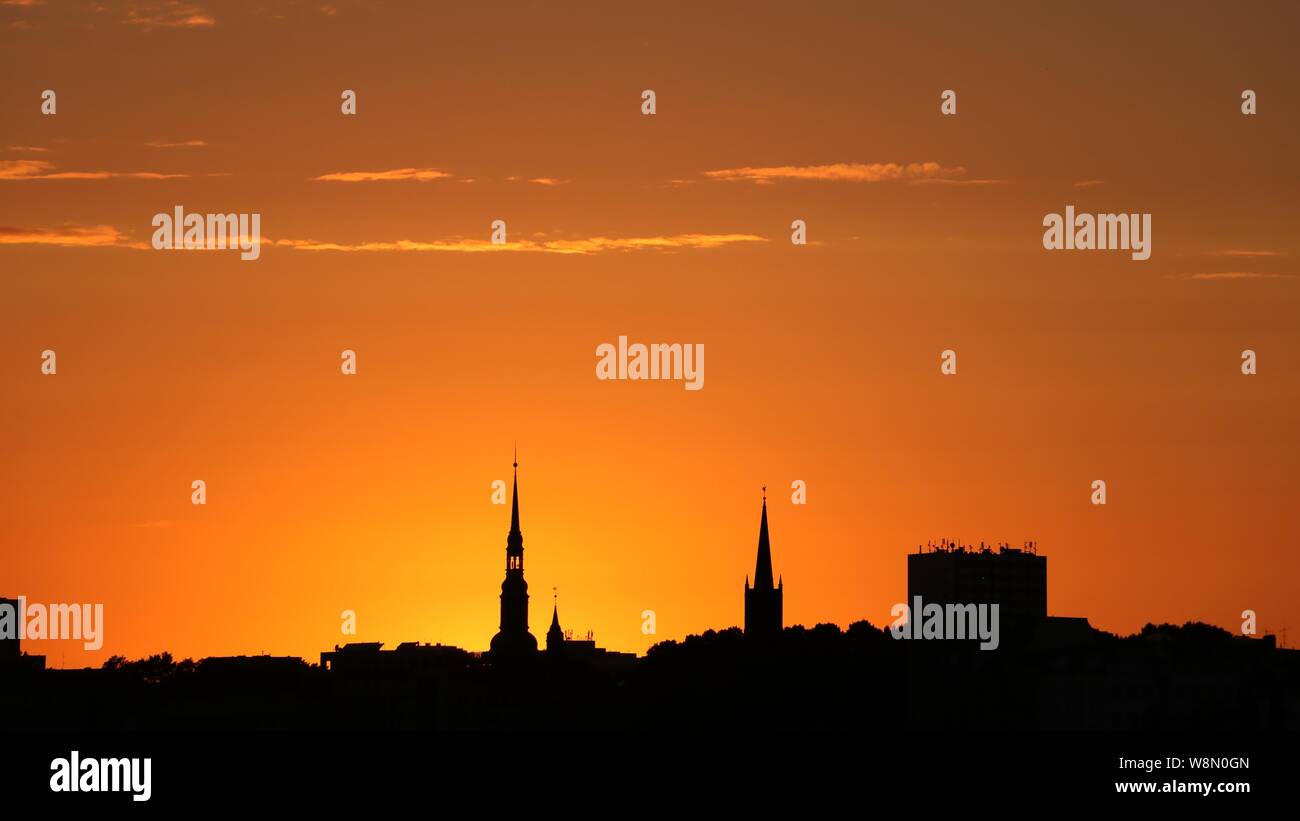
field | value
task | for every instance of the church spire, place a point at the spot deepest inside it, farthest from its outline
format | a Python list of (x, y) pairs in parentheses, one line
[(514, 636), (763, 567), (555, 636), (763, 607)]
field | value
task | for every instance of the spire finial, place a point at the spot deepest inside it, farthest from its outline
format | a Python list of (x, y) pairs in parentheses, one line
[(516, 459), (764, 493)]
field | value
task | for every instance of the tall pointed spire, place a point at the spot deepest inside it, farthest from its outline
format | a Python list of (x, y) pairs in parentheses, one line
[(763, 607), (514, 509), (555, 635), (514, 637), (763, 567)]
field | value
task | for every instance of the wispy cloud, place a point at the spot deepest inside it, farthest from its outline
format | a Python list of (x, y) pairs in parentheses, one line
[(1237, 252), (843, 172), (1089, 183), (419, 174), (1232, 275), (41, 170), (103, 236), (22, 3), (83, 236), (148, 15), (27, 148), (592, 245), (537, 180), (176, 143), (950, 181)]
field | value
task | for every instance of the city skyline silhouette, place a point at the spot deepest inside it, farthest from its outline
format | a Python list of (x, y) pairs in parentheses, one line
[(761, 605), (1220, 681)]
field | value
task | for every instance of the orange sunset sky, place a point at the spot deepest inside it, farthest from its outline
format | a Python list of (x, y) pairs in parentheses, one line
[(373, 492)]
